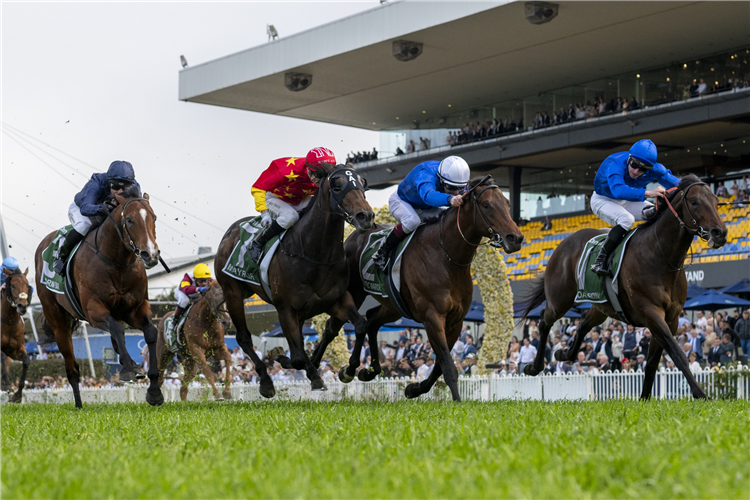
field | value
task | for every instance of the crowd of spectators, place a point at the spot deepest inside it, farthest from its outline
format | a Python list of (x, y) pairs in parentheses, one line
[(740, 190), (360, 156)]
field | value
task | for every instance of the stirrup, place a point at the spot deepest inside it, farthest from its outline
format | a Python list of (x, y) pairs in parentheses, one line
[(59, 266), (600, 266), (256, 252), (380, 259)]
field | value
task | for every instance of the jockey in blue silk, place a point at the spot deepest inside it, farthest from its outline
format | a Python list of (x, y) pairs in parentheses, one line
[(120, 178), (620, 194), (10, 263), (428, 187)]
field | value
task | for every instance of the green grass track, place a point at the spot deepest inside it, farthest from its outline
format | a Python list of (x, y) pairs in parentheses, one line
[(412, 449)]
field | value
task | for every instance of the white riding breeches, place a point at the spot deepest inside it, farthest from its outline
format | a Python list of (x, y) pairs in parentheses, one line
[(618, 212), (182, 299), (80, 222), (408, 216), (285, 214)]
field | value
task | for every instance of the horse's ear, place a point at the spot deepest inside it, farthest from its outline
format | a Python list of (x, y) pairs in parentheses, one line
[(145, 196), (7, 272), (26, 272)]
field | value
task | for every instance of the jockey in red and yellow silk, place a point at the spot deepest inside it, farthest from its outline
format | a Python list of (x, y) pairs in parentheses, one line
[(283, 190)]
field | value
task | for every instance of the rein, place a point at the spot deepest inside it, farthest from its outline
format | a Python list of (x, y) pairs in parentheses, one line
[(697, 230)]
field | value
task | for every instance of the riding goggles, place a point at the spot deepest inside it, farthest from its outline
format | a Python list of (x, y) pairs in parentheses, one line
[(637, 164), (117, 185)]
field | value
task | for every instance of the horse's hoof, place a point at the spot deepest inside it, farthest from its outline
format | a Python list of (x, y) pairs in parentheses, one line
[(345, 377), (140, 376), (127, 376), (227, 394), (16, 398), (529, 370), (218, 397), (412, 391), (367, 375), (267, 390), (154, 397), (560, 355), (318, 385)]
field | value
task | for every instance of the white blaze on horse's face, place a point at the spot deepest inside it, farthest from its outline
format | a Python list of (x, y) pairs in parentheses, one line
[(151, 247)]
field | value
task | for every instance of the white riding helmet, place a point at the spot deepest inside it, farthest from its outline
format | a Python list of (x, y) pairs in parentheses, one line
[(454, 171)]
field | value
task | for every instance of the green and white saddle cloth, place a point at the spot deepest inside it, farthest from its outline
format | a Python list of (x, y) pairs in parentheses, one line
[(53, 281), (591, 285), (172, 337), (373, 278), (241, 266)]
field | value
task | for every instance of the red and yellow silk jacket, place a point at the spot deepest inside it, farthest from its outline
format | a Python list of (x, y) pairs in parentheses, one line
[(287, 179)]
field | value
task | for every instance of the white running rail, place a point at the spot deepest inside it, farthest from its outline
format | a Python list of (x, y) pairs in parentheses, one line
[(598, 387)]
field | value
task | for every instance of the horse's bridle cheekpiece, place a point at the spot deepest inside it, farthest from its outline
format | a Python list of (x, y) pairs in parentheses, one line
[(698, 229), (352, 183), (495, 238)]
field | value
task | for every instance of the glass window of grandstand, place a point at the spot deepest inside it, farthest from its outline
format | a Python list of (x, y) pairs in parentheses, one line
[(696, 78)]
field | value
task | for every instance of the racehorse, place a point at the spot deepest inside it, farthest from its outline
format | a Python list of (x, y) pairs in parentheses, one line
[(203, 334), (652, 284), (109, 272), (15, 299), (308, 273), (436, 282)]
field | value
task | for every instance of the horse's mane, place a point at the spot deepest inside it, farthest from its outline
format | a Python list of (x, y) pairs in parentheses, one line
[(662, 207), (15, 272), (480, 181), (131, 192)]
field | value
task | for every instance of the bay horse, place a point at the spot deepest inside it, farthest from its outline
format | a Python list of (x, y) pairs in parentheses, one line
[(203, 335), (652, 283), (436, 282), (308, 273), (14, 301), (109, 272)]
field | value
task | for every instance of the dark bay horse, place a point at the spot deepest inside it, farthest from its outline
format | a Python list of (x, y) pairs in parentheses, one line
[(436, 280), (14, 302), (652, 283), (308, 272), (204, 336), (109, 272)]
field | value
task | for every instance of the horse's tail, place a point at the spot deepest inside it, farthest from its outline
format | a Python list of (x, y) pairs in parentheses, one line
[(47, 334), (533, 297)]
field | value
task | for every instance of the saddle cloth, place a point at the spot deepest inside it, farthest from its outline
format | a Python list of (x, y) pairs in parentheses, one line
[(172, 337), (591, 286), (240, 266), (53, 281), (384, 283)]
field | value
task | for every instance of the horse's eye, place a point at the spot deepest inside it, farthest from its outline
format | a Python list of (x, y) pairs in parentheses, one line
[(693, 202), (129, 219), (485, 204)]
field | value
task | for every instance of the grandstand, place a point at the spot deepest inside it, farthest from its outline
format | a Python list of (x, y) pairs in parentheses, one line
[(539, 245)]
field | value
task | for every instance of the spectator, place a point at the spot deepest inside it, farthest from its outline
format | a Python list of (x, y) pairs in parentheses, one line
[(640, 363), (526, 354), (645, 341), (411, 147), (470, 365), (701, 322), (726, 349), (721, 190), (426, 368), (714, 355), (603, 362), (629, 343), (423, 144), (580, 366), (725, 329), (547, 223), (702, 88), (470, 348), (694, 366), (742, 327), (696, 343), (399, 151)]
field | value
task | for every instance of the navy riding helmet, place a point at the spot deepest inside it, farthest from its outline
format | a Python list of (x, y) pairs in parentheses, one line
[(121, 171)]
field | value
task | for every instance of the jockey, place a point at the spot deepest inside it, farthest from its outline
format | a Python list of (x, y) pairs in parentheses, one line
[(90, 202), (189, 289), (10, 263), (283, 190), (429, 186), (620, 193)]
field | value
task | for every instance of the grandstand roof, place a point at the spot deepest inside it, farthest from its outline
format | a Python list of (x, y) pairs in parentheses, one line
[(474, 54)]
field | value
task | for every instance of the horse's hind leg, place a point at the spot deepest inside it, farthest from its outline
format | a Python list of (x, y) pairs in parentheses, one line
[(418, 388), (189, 366), (333, 326), (435, 326), (59, 321), (200, 357), (5, 374), (223, 352), (291, 326), (141, 319), (652, 364)]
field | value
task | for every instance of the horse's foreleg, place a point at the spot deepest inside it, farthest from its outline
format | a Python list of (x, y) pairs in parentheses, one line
[(291, 326), (652, 365), (659, 329), (227, 392), (333, 326), (141, 319), (100, 317), (236, 310), (592, 318), (343, 310), (189, 366), (435, 326), (18, 396), (5, 374), (200, 357)]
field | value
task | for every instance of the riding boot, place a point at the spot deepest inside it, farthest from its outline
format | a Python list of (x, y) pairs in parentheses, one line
[(649, 213), (615, 236), (256, 249), (380, 258), (71, 240), (176, 318)]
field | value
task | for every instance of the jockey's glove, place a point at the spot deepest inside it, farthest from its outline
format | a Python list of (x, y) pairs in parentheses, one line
[(265, 220), (202, 289), (103, 210)]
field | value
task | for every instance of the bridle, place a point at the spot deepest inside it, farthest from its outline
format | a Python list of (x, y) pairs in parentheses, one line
[(352, 183), (128, 243), (495, 239), (697, 230), (8, 291)]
